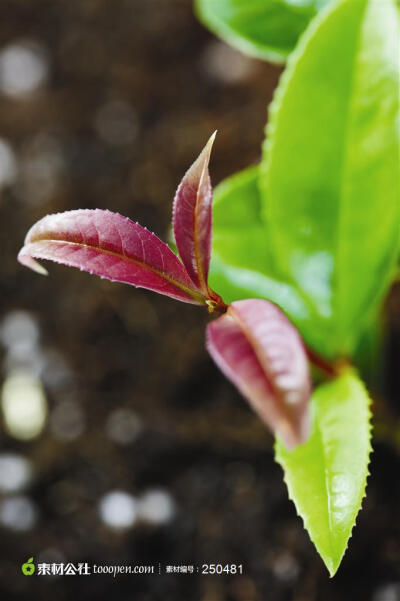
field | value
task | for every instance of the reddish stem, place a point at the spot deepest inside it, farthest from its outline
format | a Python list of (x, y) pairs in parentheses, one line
[(215, 306), (329, 368)]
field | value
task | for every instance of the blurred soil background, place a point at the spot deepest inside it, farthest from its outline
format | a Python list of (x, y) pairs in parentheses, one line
[(120, 441)]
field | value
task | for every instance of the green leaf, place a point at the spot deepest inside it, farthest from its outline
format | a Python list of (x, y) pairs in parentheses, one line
[(266, 29), (326, 477), (330, 172), (240, 261), (237, 200), (240, 266)]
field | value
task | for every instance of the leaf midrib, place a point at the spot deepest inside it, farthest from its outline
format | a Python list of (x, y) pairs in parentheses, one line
[(325, 472), (123, 257), (196, 242), (258, 351)]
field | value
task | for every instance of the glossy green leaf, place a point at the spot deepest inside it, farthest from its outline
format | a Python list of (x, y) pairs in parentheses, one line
[(266, 29), (237, 200), (240, 266), (326, 477), (330, 173)]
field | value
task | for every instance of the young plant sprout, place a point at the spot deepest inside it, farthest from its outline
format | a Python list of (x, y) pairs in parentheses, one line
[(252, 342), (305, 229)]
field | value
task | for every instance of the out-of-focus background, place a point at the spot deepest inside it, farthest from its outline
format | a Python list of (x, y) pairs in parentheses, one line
[(120, 441)]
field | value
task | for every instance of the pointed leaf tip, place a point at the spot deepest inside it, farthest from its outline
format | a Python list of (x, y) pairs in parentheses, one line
[(192, 218), (326, 477), (110, 246), (260, 351), (26, 259)]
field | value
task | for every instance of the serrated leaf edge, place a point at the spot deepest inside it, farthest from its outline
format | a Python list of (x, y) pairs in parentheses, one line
[(294, 58), (332, 570)]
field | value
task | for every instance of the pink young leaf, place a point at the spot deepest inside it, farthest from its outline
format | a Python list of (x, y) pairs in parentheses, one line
[(260, 351), (111, 246), (192, 218)]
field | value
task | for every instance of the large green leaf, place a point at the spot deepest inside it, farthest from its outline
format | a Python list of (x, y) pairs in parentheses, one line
[(330, 173), (326, 477), (266, 29), (240, 266)]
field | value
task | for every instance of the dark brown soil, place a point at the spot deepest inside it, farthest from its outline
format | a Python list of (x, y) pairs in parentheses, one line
[(126, 348)]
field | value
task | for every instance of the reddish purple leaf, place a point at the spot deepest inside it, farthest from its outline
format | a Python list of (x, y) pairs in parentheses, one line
[(260, 351), (192, 219), (111, 246)]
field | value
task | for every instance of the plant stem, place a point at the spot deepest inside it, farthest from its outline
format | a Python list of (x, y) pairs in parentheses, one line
[(216, 307), (331, 369)]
